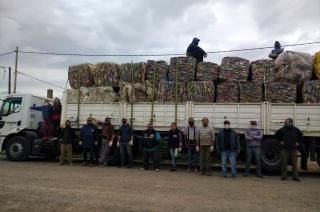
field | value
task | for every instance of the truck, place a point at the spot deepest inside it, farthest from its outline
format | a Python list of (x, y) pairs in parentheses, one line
[(19, 137)]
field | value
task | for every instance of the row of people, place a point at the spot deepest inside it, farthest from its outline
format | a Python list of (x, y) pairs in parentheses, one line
[(200, 143)]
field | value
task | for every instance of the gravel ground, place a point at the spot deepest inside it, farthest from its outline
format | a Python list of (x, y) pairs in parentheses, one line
[(39, 185)]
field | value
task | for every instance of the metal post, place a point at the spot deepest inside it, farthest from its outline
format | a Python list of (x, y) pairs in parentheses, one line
[(153, 96), (15, 71), (132, 93), (9, 81), (176, 93)]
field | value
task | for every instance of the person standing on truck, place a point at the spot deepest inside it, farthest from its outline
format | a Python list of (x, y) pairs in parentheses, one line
[(56, 117), (151, 148), (125, 141), (290, 137), (253, 137), (66, 139), (228, 146), (107, 139), (174, 144), (88, 140), (46, 110), (191, 133), (276, 51), (206, 146), (195, 51)]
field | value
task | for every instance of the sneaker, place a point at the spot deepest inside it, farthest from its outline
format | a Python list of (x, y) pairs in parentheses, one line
[(157, 170), (196, 170), (259, 176), (84, 164), (283, 178), (61, 163), (208, 174), (246, 175), (234, 176), (91, 165), (202, 173), (173, 170), (188, 170), (296, 179), (129, 166), (224, 176), (70, 164), (143, 169)]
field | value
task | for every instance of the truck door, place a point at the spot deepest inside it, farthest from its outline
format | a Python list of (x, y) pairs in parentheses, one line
[(10, 115)]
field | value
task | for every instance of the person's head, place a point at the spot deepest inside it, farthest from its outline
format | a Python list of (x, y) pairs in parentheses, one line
[(205, 122), (107, 120), (56, 102), (195, 40), (46, 102), (124, 121), (253, 124), (68, 124), (173, 126), (191, 121), (150, 126), (226, 124), (89, 120), (288, 123), (277, 45)]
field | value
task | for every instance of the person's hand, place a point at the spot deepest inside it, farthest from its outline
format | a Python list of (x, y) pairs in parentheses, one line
[(131, 142), (211, 149), (96, 143), (282, 143), (205, 55), (118, 144), (180, 149), (80, 143), (197, 148), (110, 143)]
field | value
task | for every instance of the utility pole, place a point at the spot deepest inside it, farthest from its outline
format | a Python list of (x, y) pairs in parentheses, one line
[(9, 81), (15, 71)]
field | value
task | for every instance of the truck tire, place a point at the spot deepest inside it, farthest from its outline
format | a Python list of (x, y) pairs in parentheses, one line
[(271, 155), (18, 148)]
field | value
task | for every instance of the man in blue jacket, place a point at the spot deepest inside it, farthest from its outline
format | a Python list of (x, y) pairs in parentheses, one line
[(125, 141), (88, 139), (229, 147)]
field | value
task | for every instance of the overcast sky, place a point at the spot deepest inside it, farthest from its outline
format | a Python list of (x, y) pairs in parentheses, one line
[(149, 26)]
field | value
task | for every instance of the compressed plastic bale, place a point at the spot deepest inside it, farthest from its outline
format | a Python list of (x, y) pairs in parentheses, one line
[(281, 92), (262, 70), (200, 91), (234, 69), (185, 71), (207, 71), (137, 92), (227, 92), (106, 74), (250, 92), (293, 66), (167, 91), (311, 91), (92, 95), (81, 75), (138, 70), (160, 68)]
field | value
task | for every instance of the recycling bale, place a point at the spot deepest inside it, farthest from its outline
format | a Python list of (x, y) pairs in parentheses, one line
[(250, 92), (167, 91), (207, 71), (311, 91), (200, 91), (281, 92), (227, 92), (81, 75), (234, 69), (184, 67), (137, 92), (106, 74), (262, 70), (132, 73), (92, 95), (159, 68), (293, 66)]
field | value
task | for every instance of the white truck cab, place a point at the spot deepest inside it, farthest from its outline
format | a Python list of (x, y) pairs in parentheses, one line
[(19, 126)]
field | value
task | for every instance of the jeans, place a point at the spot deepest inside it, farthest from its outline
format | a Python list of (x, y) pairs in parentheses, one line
[(104, 151), (85, 154), (256, 153), (125, 148), (192, 156), (285, 156), (173, 153), (205, 159), (155, 159), (231, 156)]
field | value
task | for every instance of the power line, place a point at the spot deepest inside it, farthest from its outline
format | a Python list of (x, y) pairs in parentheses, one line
[(6, 53), (165, 54), (40, 80)]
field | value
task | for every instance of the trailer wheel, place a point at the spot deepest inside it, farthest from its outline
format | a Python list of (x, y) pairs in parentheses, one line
[(271, 155), (18, 148)]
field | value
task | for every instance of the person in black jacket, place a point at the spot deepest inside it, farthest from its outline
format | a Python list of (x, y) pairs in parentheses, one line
[(195, 51), (276, 51), (56, 117), (174, 144), (66, 139), (289, 137)]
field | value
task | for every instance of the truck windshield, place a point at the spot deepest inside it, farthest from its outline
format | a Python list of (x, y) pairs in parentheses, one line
[(10, 105)]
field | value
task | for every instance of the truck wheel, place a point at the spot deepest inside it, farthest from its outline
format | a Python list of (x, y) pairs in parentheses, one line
[(271, 155), (18, 148)]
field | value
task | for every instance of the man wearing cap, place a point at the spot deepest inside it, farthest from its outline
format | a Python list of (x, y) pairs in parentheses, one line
[(253, 137), (191, 133), (107, 139), (195, 51), (229, 147), (88, 139), (205, 144), (125, 141)]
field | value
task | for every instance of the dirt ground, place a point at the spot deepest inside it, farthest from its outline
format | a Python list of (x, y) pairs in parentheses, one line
[(39, 185)]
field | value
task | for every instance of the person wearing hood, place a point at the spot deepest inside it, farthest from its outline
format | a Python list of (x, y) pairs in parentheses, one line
[(276, 51), (46, 110), (151, 148), (195, 51), (228, 146), (125, 142), (191, 134), (67, 137), (289, 137), (88, 140), (107, 139)]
